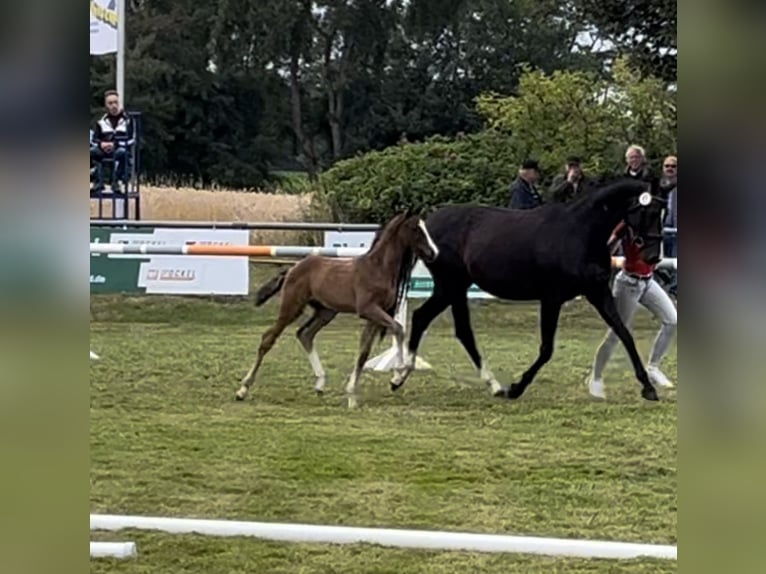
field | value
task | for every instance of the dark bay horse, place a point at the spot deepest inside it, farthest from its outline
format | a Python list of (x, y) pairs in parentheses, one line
[(550, 254), (370, 286)]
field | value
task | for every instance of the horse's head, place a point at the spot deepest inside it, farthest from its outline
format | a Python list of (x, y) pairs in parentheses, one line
[(413, 233), (640, 205)]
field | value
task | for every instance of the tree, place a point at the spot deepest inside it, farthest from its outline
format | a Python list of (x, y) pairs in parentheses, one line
[(565, 113), (645, 30)]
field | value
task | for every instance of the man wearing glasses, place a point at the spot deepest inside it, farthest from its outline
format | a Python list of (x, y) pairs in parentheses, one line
[(669, 184)]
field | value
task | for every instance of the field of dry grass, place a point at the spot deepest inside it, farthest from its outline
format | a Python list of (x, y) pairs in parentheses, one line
[(189, 204)]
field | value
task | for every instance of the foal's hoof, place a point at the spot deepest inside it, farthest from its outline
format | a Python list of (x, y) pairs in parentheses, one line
[(396, 386), (501, 393), (239, 397), (650, 394), (319, 392), (515, 391)]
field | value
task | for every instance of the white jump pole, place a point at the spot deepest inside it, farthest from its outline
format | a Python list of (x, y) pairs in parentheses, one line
[(389, 537), (386, 361), (112, 549)]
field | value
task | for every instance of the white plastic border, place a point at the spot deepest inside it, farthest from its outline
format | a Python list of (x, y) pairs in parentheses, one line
[(389, 537), (112, 549)]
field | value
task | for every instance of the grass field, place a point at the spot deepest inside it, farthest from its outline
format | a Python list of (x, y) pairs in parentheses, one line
[(167, 439)]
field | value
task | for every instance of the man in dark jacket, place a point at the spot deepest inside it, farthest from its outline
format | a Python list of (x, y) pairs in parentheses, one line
[(523, 193), (669, 186), (113, 138), (637, 165), (572, 183)]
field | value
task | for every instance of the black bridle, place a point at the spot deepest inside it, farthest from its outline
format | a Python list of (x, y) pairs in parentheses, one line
[(644, 220)]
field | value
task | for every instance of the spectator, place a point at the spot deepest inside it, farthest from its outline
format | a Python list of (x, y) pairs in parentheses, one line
[(637, 166), (112, 139), (571, 183), (669, 187), (523, 193)]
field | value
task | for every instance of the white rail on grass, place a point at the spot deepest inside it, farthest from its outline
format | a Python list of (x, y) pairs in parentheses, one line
[(112, 549), (389, 537)]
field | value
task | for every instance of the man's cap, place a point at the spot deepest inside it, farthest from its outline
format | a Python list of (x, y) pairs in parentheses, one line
[(530, 164)]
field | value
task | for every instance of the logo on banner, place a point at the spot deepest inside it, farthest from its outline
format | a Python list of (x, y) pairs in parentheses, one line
[(106, 14), (171, 275), (103, 27)]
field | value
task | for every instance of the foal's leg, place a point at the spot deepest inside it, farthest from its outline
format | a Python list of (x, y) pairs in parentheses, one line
[(289, 310), (376, 314), (549, 319), (365, 345), (601, 298), (320, 319), (464, 333), (421, 319)]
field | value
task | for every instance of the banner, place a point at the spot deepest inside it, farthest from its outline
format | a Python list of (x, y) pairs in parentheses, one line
[(103, 27), (170, 274)]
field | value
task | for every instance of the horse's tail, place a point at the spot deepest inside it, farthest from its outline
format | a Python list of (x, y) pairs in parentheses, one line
[(270, 288)]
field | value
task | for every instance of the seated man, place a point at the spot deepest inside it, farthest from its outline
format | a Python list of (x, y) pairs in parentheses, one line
[(112, 139)]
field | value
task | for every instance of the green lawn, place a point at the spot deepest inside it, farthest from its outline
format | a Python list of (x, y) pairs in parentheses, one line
[(167, 439)]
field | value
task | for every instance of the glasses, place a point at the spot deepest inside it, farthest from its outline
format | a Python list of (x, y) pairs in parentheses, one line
[(674, 166)]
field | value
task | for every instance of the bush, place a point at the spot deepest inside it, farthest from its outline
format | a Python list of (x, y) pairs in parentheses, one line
[(373, 187)]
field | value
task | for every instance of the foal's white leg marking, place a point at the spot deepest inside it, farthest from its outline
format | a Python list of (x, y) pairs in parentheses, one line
[(351, 389), (401, 373), (489, 378), (246, 382), (431, 244), (399, 347), (316, 364)]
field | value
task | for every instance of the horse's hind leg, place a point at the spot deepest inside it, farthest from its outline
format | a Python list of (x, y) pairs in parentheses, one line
[(421, 319), (371, 329), (464, 333), (549, 319), (603, 301), (289, 310), (320, 319)]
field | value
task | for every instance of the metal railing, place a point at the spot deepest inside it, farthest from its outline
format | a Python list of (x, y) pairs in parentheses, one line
[(252, 225)]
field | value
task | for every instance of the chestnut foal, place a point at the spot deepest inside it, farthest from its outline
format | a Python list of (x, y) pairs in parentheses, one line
[(370, 286)]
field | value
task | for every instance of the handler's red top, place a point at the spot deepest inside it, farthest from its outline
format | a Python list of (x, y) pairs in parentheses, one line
[(634, 264)]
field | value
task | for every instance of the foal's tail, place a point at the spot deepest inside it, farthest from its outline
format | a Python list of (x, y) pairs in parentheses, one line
[(270, 288)]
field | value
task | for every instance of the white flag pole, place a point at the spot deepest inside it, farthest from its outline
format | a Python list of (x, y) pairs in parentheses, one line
[(121, 16)]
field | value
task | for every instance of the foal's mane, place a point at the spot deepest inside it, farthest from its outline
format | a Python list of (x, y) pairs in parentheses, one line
[(385, 233)]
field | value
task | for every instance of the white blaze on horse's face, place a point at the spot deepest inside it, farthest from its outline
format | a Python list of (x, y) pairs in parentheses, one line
[(431, 244)]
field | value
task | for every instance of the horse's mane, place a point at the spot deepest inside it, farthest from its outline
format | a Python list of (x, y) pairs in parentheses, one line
[(604, 188)]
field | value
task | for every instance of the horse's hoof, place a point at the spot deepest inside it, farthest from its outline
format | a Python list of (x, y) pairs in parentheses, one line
[(515, 391), (396, 386), (319, 392), (238, 397), (650, 394), (501, 393)]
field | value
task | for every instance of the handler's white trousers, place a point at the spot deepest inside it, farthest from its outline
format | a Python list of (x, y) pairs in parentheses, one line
[(628, 293)]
